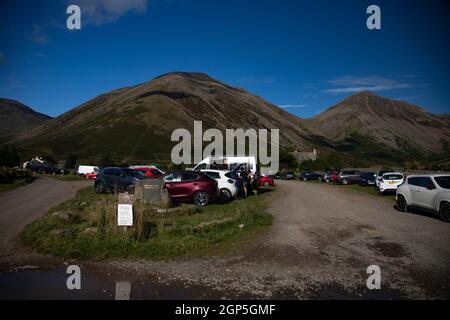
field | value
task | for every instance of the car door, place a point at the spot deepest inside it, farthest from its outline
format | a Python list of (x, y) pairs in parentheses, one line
[(414, 188), (188, 184), (171, 182), (427, 191), (107, 176), (116, 180)]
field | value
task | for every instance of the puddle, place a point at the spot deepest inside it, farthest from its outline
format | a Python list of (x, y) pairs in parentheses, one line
[(389, 249), (51, 284)]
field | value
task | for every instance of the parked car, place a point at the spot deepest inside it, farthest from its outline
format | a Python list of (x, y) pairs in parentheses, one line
[(378, 176), (327, 177), (347, 177), (92, 175), (309, 176), (265, 181), (287, 176), (117, 180), (389, 182), (367, 179), (83, 170), (191, 186), (228, 163), (227, 183), (426, 192), (277, 175), (38, 167), (152, 172)]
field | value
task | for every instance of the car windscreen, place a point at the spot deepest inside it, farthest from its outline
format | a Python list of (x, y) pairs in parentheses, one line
[(393, 177), (213, 175), (132, 172), (443, 182)]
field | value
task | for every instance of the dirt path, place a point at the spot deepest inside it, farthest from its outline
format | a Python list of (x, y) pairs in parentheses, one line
[(21, 206)]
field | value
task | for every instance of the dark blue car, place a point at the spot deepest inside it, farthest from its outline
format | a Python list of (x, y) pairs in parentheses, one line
[(367, 179), (310, 176)]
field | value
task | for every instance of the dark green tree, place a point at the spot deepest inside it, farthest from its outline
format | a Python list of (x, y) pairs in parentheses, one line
[(9, 157), (71, 161)]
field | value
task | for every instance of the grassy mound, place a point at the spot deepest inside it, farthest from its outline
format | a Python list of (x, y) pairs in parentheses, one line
[(85, 227)]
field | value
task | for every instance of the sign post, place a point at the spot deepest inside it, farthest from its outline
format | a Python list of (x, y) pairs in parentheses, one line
[(125, 215)]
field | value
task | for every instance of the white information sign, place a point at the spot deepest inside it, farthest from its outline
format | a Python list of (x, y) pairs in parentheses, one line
[(125, 215)]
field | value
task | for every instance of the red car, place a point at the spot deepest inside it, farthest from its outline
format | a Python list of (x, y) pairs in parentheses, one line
[(91, 176), (189, 186), (152, 172), (266, 181)]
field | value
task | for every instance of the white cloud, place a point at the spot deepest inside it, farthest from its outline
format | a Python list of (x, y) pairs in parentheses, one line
[(352, 84), (40, 55), (100, 12)]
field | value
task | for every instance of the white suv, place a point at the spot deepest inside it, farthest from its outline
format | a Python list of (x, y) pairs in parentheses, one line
[(389, 182), (227, 182), (429, 192)]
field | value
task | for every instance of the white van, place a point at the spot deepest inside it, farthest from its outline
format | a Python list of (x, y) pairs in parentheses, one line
[(87, 169), (227, 163)]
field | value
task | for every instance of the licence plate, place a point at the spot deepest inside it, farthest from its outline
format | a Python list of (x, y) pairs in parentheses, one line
[(392, 182)]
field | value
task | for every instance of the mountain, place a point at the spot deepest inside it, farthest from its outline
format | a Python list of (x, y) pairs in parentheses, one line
[(374, 127), (137, 122), (17, 118)]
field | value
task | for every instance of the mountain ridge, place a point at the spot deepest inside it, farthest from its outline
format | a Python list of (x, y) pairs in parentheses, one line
[(139, 120), (16, 118)]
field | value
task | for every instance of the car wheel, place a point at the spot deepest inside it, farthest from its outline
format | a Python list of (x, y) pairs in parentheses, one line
[(444, 212), (380, 193), (225, 194), (402, 205), (345, 181), (327, 180), (100, 187), (201, 198)]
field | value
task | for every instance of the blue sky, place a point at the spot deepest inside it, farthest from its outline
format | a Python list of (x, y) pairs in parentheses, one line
[(302, 55)]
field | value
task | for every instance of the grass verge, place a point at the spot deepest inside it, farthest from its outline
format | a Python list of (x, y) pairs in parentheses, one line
[(67, 177), (16, 183), (85, 227)]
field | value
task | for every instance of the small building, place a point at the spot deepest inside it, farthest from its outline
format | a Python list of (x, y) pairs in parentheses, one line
[(304, 155)]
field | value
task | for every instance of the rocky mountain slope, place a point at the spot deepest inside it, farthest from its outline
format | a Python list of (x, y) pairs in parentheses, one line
[(372, 125), (138, 121), (17, 118)]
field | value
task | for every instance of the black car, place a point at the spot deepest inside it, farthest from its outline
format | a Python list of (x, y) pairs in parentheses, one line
[(287, 176), (39, 167), (367, 179), (309, 176), (117, 180), (277, 175)]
